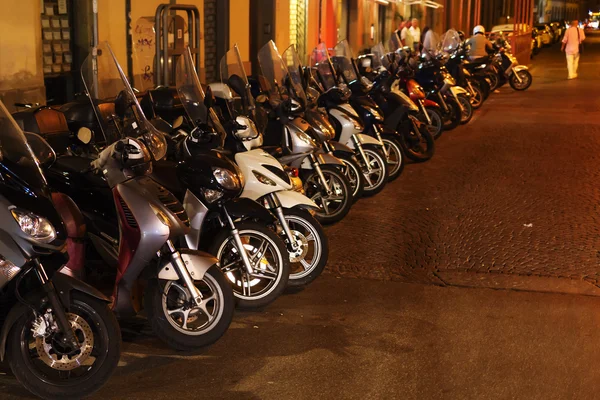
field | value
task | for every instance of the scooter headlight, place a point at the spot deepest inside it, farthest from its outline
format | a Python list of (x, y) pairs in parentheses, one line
[(39, 228), (226, 178)]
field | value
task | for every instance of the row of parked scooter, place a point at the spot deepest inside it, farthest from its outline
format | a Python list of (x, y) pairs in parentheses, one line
[(193, 200)]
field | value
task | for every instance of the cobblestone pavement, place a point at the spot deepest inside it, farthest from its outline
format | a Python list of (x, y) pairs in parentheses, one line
[(513, 192)]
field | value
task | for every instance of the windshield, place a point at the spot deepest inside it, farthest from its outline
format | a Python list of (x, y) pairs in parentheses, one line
[(342, 61), (105, 81), (450, 41), (395, 42), (189, 89), (319, 59), (380, 58), (294, 67), (16, 155), (231, 66), (273, 71)]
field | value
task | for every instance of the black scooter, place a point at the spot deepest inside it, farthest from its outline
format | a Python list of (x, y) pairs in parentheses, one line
[(58, 334)]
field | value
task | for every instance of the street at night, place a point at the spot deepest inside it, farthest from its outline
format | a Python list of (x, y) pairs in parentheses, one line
[(416, 299), (299, 199)]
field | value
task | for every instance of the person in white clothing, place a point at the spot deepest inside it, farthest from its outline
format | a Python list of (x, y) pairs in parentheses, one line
[(415, 33), (404, 34), (574, 36)]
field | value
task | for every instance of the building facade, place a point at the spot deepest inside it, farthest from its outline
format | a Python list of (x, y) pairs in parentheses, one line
[(35, 66)]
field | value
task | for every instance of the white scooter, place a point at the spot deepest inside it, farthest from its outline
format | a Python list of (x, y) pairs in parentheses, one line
[(266, 181)]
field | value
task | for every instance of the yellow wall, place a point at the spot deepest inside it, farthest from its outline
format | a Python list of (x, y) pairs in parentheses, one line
[(239, 26), (20, 45), (282, 24)]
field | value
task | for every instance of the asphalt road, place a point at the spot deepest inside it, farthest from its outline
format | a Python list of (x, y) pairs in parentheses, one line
[(509, 201)]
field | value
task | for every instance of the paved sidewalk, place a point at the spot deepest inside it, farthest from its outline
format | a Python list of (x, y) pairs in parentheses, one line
[(515, 192), (368, 339)]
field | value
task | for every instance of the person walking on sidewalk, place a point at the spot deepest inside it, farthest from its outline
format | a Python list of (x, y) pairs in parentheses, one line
[(571, 45)]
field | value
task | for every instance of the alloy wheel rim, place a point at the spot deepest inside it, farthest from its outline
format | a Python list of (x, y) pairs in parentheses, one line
[(265, 260), (184, 315), (329, 204), (307, 235), (393, 160), (377, 170)]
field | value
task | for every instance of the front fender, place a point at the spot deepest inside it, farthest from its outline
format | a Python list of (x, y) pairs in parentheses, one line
[(197, 263), (366, 139), (291, 199), (65, 285), (342, 148), (244, 208), (456, 90), (430, 103), (520, 68)]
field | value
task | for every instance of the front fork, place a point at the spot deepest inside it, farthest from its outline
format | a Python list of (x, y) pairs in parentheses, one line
[(183, 273), (273, 203), (361, 152), (58, 308), (317, 167), (424, 111), (380, 138), (238, 244)]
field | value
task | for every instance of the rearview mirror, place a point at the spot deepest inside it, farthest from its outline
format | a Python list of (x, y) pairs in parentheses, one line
[(84, 135), (238, 85)]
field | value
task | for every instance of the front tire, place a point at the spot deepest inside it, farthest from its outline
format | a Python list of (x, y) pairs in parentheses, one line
[(466, 110), (526, 80), (353, 173), (377, 178), (45, 372), (418, 144), (267, 253), (333, 207), (308, 262), (436, 128), (477, 97), (182, 325), (454, 115), (395, 157)]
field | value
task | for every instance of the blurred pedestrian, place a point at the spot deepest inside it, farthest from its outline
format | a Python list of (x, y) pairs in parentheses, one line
[(572, 46), (430, 40), (415, 33)]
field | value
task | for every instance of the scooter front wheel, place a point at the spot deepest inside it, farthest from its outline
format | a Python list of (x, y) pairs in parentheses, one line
[(395, 155), (454, 115), (335, 204), (179, 322), (466, 109), (353, 173), (436, 128), (268, 257), (51, 370), (418, 144), (376, 172), (310, 255), (525, 82)]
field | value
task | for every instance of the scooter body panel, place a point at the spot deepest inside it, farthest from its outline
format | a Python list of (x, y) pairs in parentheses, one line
[(257, 162), (291, 199)]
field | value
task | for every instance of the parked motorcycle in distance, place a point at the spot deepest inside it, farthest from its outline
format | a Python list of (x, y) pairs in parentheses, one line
[(507, 66), (324, 180), (58, 334), (265, 180)]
